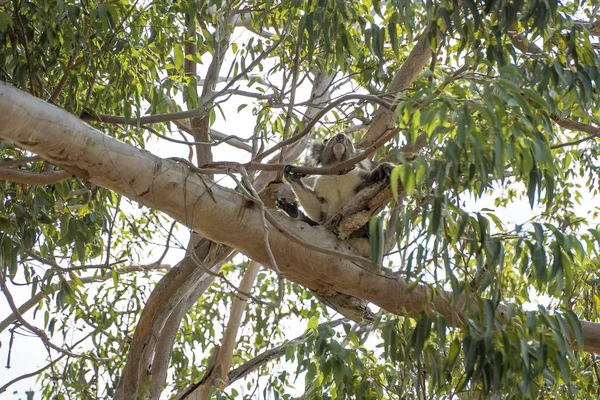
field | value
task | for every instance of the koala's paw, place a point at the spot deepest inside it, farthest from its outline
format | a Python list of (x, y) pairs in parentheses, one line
[(346, 170), (382, 173), (292, 176), (288, 207)]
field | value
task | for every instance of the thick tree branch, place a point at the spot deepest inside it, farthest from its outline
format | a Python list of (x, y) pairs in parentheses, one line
[(232, 140), (167, 335), (229, 219), (202, 252), (224, 353), (171, 297)]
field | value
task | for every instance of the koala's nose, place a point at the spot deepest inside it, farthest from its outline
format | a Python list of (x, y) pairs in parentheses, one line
[(340, 137)]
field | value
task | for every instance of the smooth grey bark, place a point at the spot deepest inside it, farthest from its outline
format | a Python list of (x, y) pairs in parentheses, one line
[(229, 219)]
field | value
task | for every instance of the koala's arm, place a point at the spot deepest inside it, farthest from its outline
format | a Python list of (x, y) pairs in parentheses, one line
[(381, 173), (293, 211), (313, 204)]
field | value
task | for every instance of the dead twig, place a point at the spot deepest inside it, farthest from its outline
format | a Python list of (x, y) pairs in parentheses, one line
[(37, 331)]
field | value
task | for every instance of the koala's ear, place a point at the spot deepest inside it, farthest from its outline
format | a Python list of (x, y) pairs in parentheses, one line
[(315, 152)]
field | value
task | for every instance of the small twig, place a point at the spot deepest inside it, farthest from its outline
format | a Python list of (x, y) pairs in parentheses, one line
[(199, 171), (263, 358), (576, 142), (256, 199), (20, 161), (253, 196), (65, 77), (39, 332), (30, 374), (224, 139), (167, 243), (10, 346), (257, 60), (344, 166), (268, 355), (202, 110), (79, 192), (22, 35), (254, 95), (184, 126), (227, 166), (290, 110), (110, 229), (315, 120), (220, 275), (36, 372), (33, 178), (54, 265), (35, 300)]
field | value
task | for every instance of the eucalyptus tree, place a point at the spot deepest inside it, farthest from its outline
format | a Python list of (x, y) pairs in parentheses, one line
[(491, 102)]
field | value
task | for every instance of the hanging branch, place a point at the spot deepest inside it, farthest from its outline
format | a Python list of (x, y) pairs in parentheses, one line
[(33, 178), (218, 374)]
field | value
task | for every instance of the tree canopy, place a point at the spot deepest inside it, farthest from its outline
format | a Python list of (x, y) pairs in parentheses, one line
[(484, 244)]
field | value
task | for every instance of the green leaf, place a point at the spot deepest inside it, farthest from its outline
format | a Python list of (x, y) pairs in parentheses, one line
[(441, 330), (290, 352), (313, 322), (395, 175), (377, 241), (5, 21), (178, 59), (80, 248), (348, 43), (393, 37), (596, 234), (436, 216), (576, 327), (407, 177)]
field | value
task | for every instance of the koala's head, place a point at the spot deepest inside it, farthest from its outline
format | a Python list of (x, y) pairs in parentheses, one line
[(332, 151)]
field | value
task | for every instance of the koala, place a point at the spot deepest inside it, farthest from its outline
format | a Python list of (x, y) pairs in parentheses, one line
[(330, 193)]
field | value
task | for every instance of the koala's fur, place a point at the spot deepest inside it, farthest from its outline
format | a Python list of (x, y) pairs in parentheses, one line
[(330, 192)]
